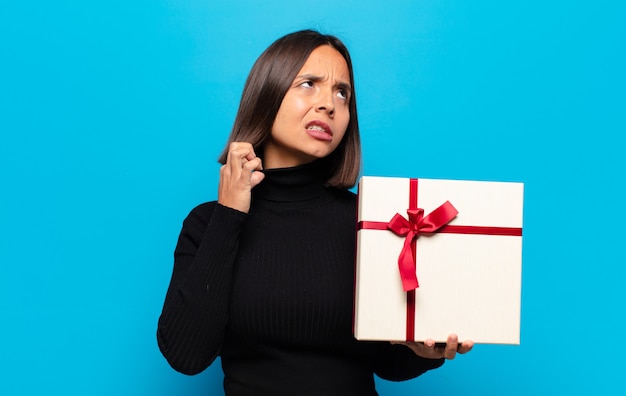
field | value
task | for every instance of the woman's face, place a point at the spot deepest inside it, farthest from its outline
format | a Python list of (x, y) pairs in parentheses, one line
[(314, 114)]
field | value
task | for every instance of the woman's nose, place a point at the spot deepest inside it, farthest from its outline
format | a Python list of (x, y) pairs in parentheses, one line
[(326, 103)]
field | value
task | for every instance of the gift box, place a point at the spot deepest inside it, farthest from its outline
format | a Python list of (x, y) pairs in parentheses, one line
[(436, 257)]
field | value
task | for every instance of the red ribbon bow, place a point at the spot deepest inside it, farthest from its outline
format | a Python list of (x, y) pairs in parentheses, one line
[(411, 228)]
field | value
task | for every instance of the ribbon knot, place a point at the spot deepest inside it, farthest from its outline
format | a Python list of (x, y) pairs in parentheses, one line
[(410, 230)]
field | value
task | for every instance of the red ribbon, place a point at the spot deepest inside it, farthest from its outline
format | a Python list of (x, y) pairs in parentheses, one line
[(410, 229)]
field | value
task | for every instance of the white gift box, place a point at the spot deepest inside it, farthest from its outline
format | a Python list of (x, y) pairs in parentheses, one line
[(469, 271)]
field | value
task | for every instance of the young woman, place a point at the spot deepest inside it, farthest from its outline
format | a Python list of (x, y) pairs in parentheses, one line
[(264, 277)]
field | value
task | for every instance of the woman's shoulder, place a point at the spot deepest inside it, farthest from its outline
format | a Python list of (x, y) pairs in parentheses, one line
[(344, 203), (344, 195), (201, 214), (202, 211)]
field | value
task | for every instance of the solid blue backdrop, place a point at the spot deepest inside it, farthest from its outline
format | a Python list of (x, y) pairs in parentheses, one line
[(112, 115)]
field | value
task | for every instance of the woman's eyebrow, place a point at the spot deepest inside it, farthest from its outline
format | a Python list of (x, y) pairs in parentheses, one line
[(314, 78), (344, 85), (311, 77)]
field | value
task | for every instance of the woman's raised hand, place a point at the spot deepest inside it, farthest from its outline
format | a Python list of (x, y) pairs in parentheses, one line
[(238, 176)]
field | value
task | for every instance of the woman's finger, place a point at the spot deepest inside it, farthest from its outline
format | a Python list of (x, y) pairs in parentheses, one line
[(466, 346), (238, 154), (452, 345)]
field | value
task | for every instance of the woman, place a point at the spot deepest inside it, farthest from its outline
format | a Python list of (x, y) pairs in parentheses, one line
[(264, 276)]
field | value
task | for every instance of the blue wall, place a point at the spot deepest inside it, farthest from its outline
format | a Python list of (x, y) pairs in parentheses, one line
[(112, 114)]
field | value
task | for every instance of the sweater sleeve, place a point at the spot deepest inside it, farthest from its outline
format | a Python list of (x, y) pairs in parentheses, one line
[(395, 362), (194, 316)]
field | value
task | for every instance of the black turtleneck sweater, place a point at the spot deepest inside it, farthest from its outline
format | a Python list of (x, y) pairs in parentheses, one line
[(271, 292)]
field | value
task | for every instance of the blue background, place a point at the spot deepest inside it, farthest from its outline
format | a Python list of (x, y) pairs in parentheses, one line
[(112, 114)]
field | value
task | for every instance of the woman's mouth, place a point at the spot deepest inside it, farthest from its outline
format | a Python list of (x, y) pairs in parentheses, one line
[(319, 130)]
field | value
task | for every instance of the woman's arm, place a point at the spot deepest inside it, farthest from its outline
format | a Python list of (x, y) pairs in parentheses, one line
[(195, 312), (404, 360), (399, 363)]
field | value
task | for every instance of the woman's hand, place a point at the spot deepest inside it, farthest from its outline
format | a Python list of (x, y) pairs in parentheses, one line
[(430, 350), (238, 176)]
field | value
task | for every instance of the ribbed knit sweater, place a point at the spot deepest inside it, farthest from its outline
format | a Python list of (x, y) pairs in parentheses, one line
[(271, 293)]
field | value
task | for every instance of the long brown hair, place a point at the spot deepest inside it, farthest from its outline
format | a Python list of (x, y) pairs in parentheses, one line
[(266, 86)]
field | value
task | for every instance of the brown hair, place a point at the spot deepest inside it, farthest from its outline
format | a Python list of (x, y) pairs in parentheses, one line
[(266, 86)]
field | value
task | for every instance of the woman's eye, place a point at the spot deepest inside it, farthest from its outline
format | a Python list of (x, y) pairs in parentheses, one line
[(342, 94), (308, 84)]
